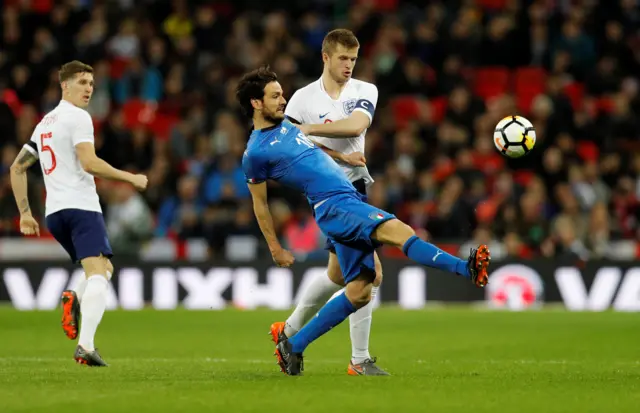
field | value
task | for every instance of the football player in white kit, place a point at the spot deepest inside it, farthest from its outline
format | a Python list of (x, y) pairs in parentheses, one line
[(335, 112), (63, 142)]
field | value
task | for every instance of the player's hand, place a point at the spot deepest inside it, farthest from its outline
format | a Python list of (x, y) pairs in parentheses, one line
[(139, 181), (355, 159), (29, 226), (282, 258)]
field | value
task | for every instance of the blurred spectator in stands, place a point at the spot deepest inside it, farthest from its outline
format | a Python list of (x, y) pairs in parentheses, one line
[(514, 247), (451, 217), (138, 82), (484, 235), (128, 219), (125, 44), (605, 79), (625, 207), (179, 214), (578, 45), (500, 45), (451, 75), (301, 234), (539, 47), (599, 233), (8, 209), (100, 104), (227, 171), (138, 151), (564, 243)]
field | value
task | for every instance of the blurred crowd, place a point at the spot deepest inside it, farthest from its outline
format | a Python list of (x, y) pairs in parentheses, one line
[(446, 71)]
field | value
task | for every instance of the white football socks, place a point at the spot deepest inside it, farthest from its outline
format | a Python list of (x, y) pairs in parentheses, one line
[(82, 285), (80, 288), (92, 306), (360, 328), (319, 291)]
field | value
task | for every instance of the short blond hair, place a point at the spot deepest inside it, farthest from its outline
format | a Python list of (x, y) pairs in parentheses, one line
[(343, 37)]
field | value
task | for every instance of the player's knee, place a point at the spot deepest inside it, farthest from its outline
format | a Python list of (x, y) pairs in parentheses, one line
[(358, 291), (359, 298), (378, 280), (95, 266), (378, 265), (109, 266), (394, 232)]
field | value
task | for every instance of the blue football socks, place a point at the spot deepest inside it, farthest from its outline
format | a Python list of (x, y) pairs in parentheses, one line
[(430, 256), (333, 313)]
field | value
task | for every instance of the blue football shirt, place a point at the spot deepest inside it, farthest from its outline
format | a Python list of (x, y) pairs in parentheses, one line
[(284, 154)]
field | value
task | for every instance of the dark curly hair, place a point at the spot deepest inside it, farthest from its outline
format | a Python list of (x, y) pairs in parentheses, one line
[(252, 85)]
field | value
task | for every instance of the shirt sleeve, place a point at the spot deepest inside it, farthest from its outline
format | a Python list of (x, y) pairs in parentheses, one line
[(295, 111), (367, 101), (254, 168), (84, 129)]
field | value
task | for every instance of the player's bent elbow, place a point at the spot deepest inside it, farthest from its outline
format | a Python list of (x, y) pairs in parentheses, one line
[(16, 169), (88, 165), (87, 168)]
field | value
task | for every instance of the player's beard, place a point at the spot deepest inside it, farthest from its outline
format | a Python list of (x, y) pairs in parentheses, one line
[(274, 117)]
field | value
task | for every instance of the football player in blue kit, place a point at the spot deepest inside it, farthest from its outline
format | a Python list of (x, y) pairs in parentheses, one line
[(279, 151)]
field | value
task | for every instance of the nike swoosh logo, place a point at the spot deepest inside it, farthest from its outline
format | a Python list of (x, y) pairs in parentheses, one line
[(322, 116), (436, 256)]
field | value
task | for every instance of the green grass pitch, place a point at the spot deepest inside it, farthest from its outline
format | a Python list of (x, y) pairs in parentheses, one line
[(451, 360)]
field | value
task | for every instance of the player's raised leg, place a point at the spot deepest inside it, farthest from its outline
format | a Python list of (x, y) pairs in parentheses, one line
[(397, 233)]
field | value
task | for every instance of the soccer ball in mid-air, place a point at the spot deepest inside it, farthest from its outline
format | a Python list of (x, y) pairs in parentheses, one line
[(514, 136)]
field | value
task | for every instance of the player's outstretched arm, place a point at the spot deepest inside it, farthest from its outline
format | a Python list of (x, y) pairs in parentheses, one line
[(18, 172), (86, 153), (354, 158), (280, 256), (350, 127)]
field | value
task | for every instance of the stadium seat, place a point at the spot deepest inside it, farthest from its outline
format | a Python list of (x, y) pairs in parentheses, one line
[(138, 112), (405, 109), (492, 4), (131, 111), (430, 75), (605, 104), (438, 109), (588, 151), (575, 93), (117, 68), (491, 82), (528, 82), (161, 126), (523, 177), (382, 5)]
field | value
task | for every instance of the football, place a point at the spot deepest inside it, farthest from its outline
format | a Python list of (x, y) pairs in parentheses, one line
[(514, 136)]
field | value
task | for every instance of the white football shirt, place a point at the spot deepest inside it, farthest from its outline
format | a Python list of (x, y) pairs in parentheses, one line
[(312, 104), (53, 141)]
